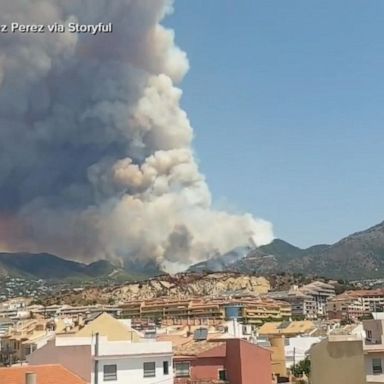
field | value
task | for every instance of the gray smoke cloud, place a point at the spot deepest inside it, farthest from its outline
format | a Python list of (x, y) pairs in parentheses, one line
[(95, 151)]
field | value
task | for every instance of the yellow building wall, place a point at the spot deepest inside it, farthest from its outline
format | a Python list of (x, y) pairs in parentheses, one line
[(278, 355)]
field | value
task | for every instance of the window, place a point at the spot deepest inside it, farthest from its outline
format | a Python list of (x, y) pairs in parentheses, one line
[(110, 372), (149, 369), (377, 369), (182, 369), (165, 368), (369, 334), (222, 375)]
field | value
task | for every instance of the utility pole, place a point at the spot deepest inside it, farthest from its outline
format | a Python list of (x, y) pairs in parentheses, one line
[(96, 380)]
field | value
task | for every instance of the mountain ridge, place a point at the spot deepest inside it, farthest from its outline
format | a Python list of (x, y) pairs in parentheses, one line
[(50, 267), (357, 256)]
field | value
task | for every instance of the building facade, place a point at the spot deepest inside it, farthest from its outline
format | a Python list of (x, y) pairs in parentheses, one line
[(111, 361), (337, 360), (207, 311), (141, 363), (320, 293), (352, 305), (232, 361), (307, 302), (346, 308)]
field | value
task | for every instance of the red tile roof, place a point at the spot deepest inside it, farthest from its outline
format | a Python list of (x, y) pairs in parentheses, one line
[(46, 374), (195, 348)]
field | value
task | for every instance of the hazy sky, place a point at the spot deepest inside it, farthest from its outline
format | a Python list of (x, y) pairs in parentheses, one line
[(286, 99)]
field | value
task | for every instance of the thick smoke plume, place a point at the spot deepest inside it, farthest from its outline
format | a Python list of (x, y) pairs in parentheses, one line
[(95, 151)]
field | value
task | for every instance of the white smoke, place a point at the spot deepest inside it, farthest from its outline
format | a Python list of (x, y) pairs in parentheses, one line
[(96, 156)]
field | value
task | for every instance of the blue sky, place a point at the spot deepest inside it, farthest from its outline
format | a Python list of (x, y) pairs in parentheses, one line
[(287, 102)]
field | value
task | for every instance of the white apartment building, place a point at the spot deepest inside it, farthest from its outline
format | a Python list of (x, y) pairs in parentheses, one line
[(309, 301), (302, 305), (99, 361), (297, 348), (141, 363), (373, 347), (372, 300), (355, 304), (15, 309), (345, 307), (320, 292)]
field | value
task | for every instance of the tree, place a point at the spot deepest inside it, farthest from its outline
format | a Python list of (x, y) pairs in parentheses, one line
[(303, 366), (111, 301)]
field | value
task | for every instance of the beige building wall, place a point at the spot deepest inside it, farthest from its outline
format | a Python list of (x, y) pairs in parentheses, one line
[(75, 358), (337, 362), (113, 329)]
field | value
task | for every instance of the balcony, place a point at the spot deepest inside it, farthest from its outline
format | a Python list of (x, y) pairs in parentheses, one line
[(372, 344), (373, 348), (375, 379)]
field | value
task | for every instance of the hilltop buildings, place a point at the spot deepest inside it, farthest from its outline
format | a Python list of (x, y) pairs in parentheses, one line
[(185, 341), (309, 301), (207, 311), (353, 305)]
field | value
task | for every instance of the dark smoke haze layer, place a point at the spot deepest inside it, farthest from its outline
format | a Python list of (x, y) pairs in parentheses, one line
[(95, 151)]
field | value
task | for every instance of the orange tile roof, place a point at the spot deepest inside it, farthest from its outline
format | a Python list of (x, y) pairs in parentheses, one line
[(176, 340), (217, 349), (46, 374), (195, 348), (290, 328)]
